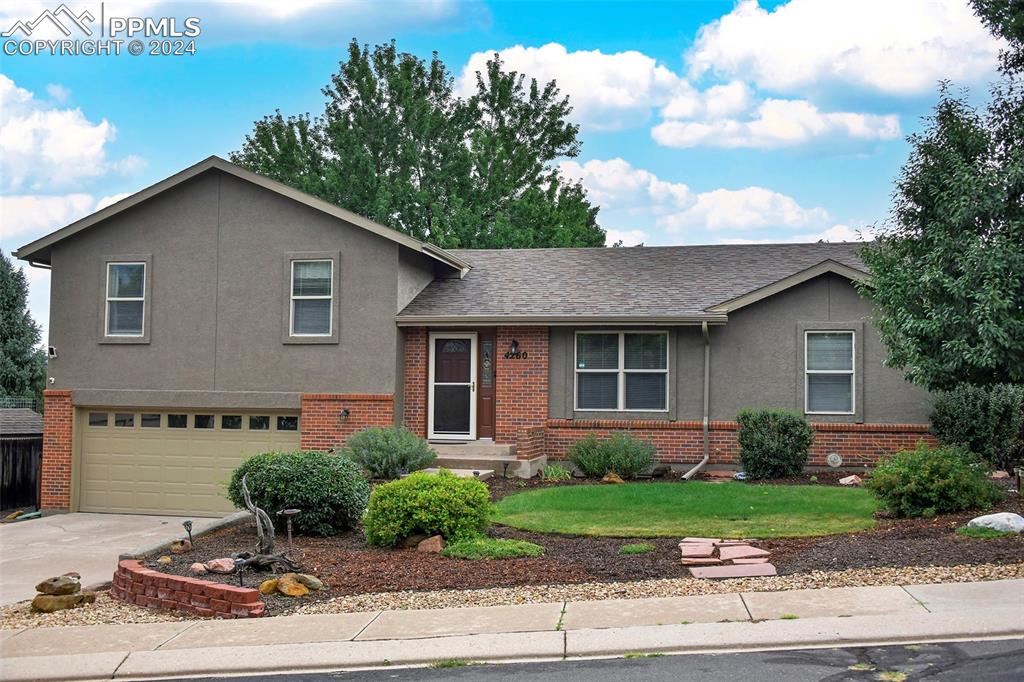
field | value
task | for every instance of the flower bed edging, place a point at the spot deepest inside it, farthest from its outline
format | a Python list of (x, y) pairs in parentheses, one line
[(135, 584)]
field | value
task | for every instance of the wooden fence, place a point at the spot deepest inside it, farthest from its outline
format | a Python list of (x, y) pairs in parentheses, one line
[(21, 460)]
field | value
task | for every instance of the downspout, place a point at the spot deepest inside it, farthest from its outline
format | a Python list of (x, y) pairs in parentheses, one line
[(707, 382)]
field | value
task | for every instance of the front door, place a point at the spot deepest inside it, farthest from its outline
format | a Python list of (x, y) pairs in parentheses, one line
[(452, 413)]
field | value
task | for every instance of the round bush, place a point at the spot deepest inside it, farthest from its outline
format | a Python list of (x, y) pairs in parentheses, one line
[(928, 481), (773, 443), (427, 504), (330, 491), (389, 453), (987, 420), (621, 453)]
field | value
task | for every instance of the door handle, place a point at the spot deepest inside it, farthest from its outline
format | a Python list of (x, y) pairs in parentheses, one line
[(472, 387)]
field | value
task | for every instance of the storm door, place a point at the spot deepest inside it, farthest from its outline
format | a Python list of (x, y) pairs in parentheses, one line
[(452, 409)]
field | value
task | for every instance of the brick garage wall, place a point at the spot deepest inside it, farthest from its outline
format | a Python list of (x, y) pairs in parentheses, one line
[(521, 385), (414, 391), (682, 442), (135, 584), (322, 426), (58, 432)]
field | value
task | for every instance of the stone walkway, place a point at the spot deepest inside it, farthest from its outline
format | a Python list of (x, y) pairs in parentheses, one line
[(717, 559), (555, 631)]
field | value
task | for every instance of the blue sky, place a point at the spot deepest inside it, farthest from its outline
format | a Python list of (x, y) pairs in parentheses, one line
[(702, 122)]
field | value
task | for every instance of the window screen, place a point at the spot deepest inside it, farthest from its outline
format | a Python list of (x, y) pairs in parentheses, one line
[(829, 372)]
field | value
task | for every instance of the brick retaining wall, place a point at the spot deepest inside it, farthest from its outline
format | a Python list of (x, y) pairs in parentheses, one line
[(135, 584)]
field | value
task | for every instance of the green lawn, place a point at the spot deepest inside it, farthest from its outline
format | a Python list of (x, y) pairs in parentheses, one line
[(726, 510)]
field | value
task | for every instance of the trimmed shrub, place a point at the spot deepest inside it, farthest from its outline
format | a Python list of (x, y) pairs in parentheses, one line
[(330, 490), (773, 443), (928, 481), (988, 420), (482, 547), (427, 504), (621, 453), (389, 453)]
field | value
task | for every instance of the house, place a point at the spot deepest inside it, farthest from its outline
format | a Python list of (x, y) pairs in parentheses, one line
[(218, 313)]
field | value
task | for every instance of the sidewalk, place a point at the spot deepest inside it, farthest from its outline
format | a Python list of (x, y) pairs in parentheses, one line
[(857, 616)]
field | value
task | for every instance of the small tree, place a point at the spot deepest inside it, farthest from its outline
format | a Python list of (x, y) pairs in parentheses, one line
[(22, 361), (947, 269)]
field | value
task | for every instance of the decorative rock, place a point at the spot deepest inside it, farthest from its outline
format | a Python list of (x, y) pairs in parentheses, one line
[(413, 540), (755, 560), (721, 572), (165, 560), (225, 565), (198, 568), (310, 581), (432, 545), (181, 547), (48, 603), (692, 550), (1000, 474), (741, 552), (701, 561), (62, 584), (98, 587), (73, 574), (851, 480), (289, 586), (612, 477), (268, 586), (1005, 522)]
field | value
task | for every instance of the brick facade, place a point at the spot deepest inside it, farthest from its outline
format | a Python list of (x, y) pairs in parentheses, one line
[(135, 584), (58, 429), (682, 442), (322, 427), (414, 391), (521, 387)]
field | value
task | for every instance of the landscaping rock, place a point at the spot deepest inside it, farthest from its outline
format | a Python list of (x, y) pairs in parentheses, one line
[(310, 581), (723, 572), (612, 477), (851, 480), (432, 545), (1004, 522), (198, 568), (1000, 474), (48, 603), (289, 585), (61, 585), (741, 552), (181, 547), (268, 586), (98, 587), (413, 540), (754, 560), (225, 565), (692, 550), (164, 560), (700, 561)]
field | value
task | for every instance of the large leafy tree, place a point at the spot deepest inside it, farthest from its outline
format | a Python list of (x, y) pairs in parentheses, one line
[(948, 268), (22, 362), (397, 144)]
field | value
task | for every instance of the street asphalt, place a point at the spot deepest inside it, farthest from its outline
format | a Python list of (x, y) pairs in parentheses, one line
[(985, 661)]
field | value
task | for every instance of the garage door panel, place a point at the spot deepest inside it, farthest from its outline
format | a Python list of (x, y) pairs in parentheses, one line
[(160, 470)]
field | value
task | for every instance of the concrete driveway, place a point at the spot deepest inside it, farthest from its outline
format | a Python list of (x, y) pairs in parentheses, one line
[(89, 544)]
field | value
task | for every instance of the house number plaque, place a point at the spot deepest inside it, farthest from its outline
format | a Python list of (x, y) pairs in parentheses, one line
[(513, 352)]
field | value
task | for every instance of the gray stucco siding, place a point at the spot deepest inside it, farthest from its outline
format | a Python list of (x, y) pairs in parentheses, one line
[(218, 270), (757, 361)]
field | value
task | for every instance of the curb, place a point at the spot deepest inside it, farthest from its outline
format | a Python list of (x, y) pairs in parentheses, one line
[(165, 545)]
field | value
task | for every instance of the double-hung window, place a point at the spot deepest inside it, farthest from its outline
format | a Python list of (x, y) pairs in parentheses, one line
[(312, 291), (126, 299), (622, 371), (829, 372)]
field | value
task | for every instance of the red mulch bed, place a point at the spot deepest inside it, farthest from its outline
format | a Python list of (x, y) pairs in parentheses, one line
[(348, 566)]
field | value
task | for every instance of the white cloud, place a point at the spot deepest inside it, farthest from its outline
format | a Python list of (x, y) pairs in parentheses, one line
[(743, 209), (37, 214), (607, 91), (112, 199), (615, 184), (627, 237), (46, 148), (895, 47), (836, 233), (774, 123), (58, 92)]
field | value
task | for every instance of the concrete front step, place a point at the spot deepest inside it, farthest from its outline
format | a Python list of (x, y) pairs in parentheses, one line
[(499, 457), (477, 448)]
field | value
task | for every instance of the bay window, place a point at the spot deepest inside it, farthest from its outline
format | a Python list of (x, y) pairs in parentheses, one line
[(622, 371)]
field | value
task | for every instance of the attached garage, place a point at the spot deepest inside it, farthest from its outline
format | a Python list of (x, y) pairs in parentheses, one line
[(177, 463)]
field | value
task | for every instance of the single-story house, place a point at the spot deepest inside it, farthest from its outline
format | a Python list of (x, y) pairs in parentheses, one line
[(218, 313)]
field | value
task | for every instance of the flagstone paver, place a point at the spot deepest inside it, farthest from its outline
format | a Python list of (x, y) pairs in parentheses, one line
[(741, 552), (722, 572), (694, 550), (754, 560)]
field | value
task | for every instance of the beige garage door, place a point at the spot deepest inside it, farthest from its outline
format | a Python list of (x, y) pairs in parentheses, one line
[(171, 462)]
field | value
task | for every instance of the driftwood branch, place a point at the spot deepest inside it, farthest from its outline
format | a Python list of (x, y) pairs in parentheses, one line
[(264, 558)]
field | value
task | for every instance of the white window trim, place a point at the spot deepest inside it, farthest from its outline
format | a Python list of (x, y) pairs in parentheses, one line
[(292, 297), (852, 372), (112, 299), (621, 371)]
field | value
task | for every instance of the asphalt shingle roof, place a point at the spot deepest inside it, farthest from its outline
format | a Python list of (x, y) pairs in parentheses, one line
[(643, 282), (20, 421)]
